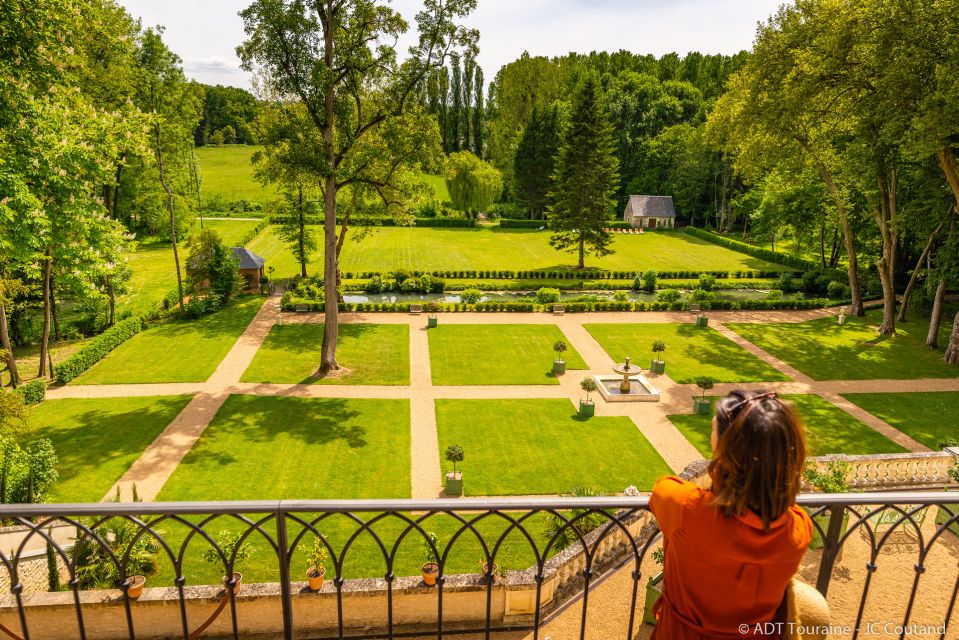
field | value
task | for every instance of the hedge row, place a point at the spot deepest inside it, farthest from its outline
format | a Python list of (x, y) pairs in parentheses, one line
[(97, 349), (32, 392), (566, 275), (255, 231), (750, 250), (570, 307)]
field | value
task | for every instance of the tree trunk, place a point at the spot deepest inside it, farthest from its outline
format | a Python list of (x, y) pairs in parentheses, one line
[(115, 201), (45, 338), (169, 204), (331, 317), (302, 234), (54, 309), (904, 305), (856, 308), (950, 167), (7, 349), (886, 219), (113, 303), (952, 351), (331, 320), (822, 244), (932, 338), (582, 252)]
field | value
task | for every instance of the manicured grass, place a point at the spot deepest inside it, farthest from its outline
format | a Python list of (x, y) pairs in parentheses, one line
[(97, 440), (691, 352), (497, 354), (515, 447), (429, 249), (927, 417), (829, 429), (231, 232), (227, 171), (823, 350), (272, 448), (372, 354), (182, 351)]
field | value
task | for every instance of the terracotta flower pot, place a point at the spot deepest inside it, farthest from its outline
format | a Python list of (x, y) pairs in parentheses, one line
[(135, 586), (495, 571), (430, 570), (237, 582), (315, 578)]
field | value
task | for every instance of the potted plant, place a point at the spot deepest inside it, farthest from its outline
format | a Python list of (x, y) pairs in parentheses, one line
[(229, 543), (317, 558), (658, 365), (702, 405), (832, 480), (702, 320), (559, 365), (431, 308), (454, 479), (654, 587), (432, 567), (587, 408)]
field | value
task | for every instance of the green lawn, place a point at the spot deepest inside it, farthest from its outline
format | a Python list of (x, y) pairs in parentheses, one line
[(823, 350), (497, 354), (182, 351), (441, 191), (227, 171), (829, 429), (691, 352), (428, 249), (97, 440), (926, 417), (521, 447), (372, 354), (273, 448)]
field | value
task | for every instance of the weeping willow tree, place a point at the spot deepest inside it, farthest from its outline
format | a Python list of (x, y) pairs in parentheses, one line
[(474, 185)]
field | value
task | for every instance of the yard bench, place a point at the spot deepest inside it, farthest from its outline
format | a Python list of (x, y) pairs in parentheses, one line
[(301, 308), (559, 309), (416, 309)]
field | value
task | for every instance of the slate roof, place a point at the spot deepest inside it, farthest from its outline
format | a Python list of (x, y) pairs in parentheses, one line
[(248, 259), (652, 206)]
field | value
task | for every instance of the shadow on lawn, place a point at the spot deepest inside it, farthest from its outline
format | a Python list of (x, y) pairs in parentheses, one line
[(313, 421), (103, 435), (299, 339)]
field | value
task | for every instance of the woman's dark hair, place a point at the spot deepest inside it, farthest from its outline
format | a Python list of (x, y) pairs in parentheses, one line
[(760, 455)]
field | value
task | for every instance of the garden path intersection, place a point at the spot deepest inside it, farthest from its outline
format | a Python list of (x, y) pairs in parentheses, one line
[(158, 462)]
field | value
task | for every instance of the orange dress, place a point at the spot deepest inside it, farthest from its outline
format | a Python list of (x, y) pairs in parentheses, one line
[(721, 572)]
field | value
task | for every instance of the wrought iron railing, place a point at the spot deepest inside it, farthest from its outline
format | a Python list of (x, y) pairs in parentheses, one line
[(541, 559)]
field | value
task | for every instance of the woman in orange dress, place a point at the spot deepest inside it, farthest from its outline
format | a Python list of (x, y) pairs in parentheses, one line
[(731, 551)]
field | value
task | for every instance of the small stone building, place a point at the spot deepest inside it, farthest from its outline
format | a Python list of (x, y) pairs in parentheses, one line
[(650, 212), (251, 267)]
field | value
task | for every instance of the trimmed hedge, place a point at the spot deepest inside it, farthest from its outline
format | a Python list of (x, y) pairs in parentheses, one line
[(572, 307), (255, 231), (750, 250), (499, 274), (32, 392), (97, 349)]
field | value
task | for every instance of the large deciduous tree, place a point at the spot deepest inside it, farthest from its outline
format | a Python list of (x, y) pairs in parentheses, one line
[(586, 178), (335, 57)]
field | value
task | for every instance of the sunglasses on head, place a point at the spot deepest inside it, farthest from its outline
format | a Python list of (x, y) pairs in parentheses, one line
[(746, 401)]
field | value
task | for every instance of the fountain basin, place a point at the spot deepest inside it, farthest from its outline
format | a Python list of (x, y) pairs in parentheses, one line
[(640, 389)]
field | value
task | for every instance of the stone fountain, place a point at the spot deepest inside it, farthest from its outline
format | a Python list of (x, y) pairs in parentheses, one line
[(628, 385)]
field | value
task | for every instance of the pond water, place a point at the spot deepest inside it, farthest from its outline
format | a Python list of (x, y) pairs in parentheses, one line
[(530, 296)]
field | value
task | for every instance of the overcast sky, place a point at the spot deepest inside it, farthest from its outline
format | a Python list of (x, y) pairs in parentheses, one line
[(205, 33)]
